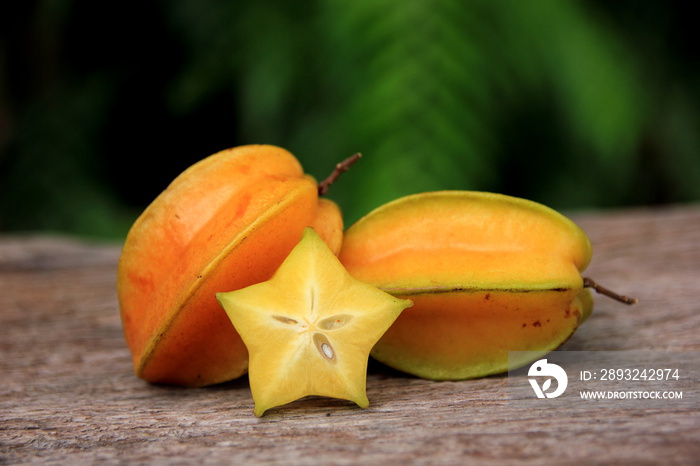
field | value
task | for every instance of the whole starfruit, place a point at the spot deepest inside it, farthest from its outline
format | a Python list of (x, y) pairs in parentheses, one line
[(488, 274), (225, 223)]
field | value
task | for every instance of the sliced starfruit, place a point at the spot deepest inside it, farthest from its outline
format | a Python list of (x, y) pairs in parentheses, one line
[(310, 328)]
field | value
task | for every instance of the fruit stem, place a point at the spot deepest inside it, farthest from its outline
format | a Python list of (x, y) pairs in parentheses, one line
[(589, 283), (339, 169)]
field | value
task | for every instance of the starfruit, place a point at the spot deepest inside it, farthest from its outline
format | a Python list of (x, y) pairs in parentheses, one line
[(225, 223), (488, 274)]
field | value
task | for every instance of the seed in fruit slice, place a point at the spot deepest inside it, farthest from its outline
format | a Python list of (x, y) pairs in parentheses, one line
[(310, 328)]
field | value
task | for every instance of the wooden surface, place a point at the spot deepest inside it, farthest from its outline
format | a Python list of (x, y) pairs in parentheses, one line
[(68, 394)]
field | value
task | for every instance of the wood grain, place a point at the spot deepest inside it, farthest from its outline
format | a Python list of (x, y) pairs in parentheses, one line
[(68, 394)]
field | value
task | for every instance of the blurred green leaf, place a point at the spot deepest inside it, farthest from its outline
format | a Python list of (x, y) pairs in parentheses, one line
[(576, 104)]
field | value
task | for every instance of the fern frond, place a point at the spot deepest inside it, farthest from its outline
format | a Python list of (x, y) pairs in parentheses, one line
[(417, 97)]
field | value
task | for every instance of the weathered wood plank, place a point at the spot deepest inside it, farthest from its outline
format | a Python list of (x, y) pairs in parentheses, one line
[(68, 393)]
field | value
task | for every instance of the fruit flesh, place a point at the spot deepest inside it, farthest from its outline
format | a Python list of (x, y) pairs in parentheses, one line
[(310, 328), (488, 274), (239, 211)]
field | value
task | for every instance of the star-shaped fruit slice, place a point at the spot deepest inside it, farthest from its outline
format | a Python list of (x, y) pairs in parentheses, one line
[(310, 328)]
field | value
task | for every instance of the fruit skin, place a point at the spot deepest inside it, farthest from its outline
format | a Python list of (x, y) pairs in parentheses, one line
[(310, 328), (487, 273), (226, 222)]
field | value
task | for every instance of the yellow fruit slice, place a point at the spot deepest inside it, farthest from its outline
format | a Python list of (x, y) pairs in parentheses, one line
[(310, 328)]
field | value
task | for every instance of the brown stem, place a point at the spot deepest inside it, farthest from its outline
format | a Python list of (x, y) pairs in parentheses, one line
[(589, 283), (339, 169)]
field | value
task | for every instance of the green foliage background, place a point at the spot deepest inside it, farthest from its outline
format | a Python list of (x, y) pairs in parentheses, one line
[(573, 103)]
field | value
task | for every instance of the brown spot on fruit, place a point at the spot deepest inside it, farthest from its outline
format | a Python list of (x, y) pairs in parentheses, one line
[(143, 283)]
